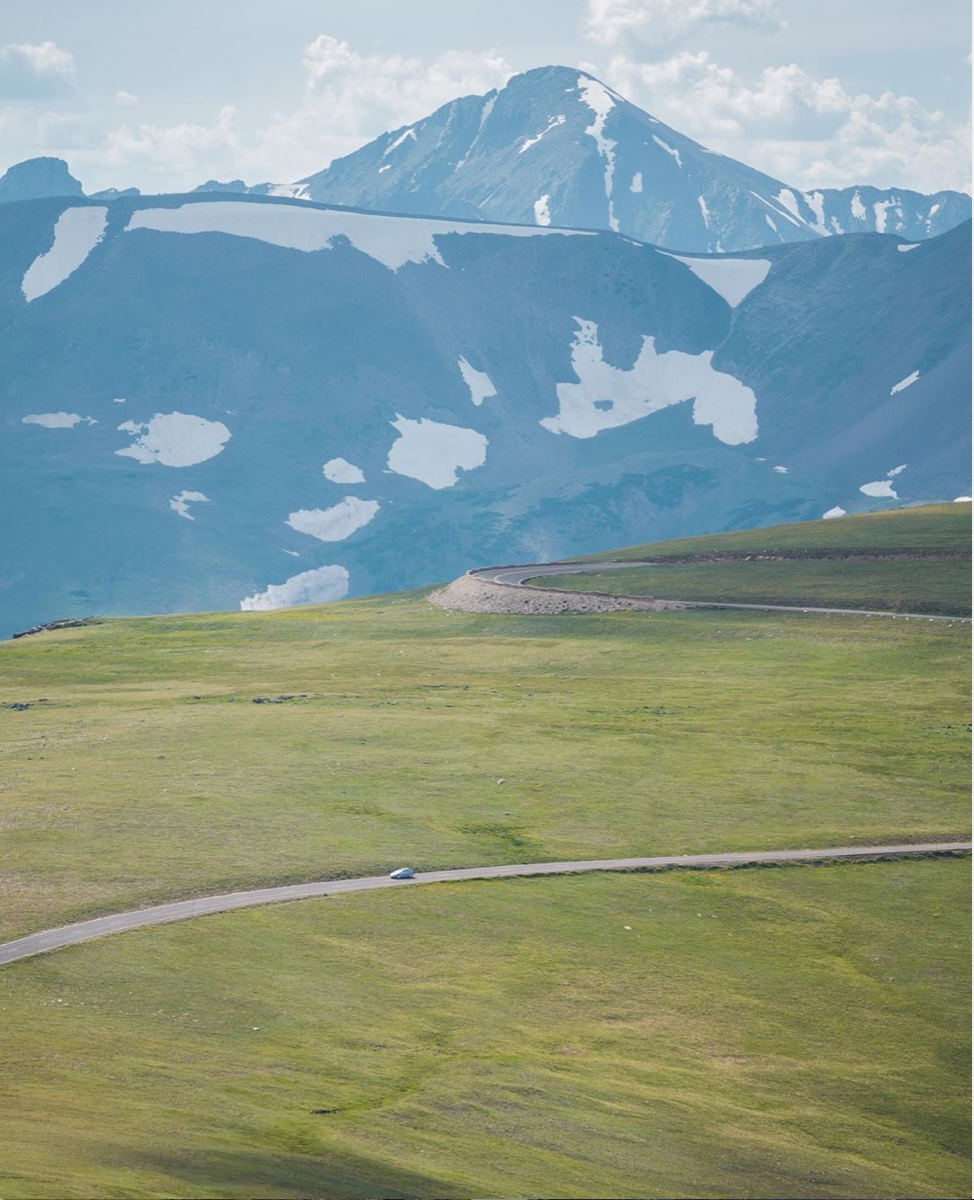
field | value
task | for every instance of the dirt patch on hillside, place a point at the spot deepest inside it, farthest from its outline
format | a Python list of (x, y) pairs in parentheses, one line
[(469, 594)]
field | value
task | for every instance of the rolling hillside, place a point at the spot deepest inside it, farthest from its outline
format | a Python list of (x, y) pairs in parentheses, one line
[(566, 1036), (913, 560)]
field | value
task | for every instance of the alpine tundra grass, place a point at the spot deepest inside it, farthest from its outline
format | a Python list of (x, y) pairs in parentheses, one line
[(796, 1031)]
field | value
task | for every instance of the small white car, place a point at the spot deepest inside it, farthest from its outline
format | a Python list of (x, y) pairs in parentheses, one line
[(403, 873)]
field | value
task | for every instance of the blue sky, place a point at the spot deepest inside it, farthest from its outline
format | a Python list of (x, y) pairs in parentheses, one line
[(162, 94)]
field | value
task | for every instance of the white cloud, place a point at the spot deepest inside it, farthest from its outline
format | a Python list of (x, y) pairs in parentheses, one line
[(351, 97), (656, 22), (347, 99), (808, 131), (35, 72)]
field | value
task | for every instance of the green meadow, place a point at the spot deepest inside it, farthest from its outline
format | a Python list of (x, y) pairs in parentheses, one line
[(754, 1033), (145, 771), (908, 560)]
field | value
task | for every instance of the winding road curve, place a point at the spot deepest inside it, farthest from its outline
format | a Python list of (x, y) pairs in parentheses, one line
[(516, 576), (183, 910)]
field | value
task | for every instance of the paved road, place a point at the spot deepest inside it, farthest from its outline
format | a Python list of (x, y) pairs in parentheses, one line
[(516, 576), (182, 910)]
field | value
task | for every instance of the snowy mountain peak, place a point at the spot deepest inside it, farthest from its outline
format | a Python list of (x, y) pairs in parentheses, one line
[(557, 146)]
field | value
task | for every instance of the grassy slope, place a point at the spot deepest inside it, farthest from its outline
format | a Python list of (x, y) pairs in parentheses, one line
[(927, 529), (936, 580), (151, 774), (787, 1032), (928, 585)]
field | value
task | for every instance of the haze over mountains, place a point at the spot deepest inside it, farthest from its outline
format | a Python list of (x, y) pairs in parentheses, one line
[(220, 401)]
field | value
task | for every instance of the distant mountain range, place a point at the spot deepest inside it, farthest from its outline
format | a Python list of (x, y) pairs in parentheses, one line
[(557, 147), (215, 401)]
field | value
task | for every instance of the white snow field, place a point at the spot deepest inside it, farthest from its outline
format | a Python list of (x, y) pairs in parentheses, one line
[(392, 241), (479, 382), (833, 513), (175, 439), (77, 232), (606, 396), (336, 523), (904, 383), (670, 150), (433, 453), (731, 278), (310, 587), (182, 500), (57, 420), (878, 488), (340, 470), (599, 99), (553, 123)]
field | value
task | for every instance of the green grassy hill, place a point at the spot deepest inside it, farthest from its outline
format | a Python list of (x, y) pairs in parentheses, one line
[(911, 560), (801, 1036)]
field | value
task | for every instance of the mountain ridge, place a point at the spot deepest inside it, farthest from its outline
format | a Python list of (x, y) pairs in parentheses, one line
[(269, 402)]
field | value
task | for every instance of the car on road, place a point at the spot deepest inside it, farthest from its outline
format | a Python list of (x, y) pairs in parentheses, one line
[(403, 873)]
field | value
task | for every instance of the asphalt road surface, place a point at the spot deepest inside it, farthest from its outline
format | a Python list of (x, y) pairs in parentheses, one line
[(516, 576), (182, 910)]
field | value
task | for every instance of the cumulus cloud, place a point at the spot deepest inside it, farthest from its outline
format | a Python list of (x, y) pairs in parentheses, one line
[(35, 71), (351, 97), (656, 22), (347, 98), (805, 130)]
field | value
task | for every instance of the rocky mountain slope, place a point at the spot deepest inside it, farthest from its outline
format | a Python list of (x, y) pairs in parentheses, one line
[(213, 402)]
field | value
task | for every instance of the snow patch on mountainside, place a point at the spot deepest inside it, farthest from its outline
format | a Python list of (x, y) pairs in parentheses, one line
[(879, 487), (77, 232), (553, 123), (542, 216), (606, 396), (596, 95), (905, 248), (433, 452), (730, 278), (291, 191), (485, 112), (672, 151), (339, 470), (319, 586), (175, 439), (182, 500), (406, 133), (637, 183), (904, 383), (883, 487), (336, 523), (392, 241), (479, 382), (57, 420), (833, 513)]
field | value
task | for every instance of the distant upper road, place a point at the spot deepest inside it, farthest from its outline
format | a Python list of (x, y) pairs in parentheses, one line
[(518, 575)]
